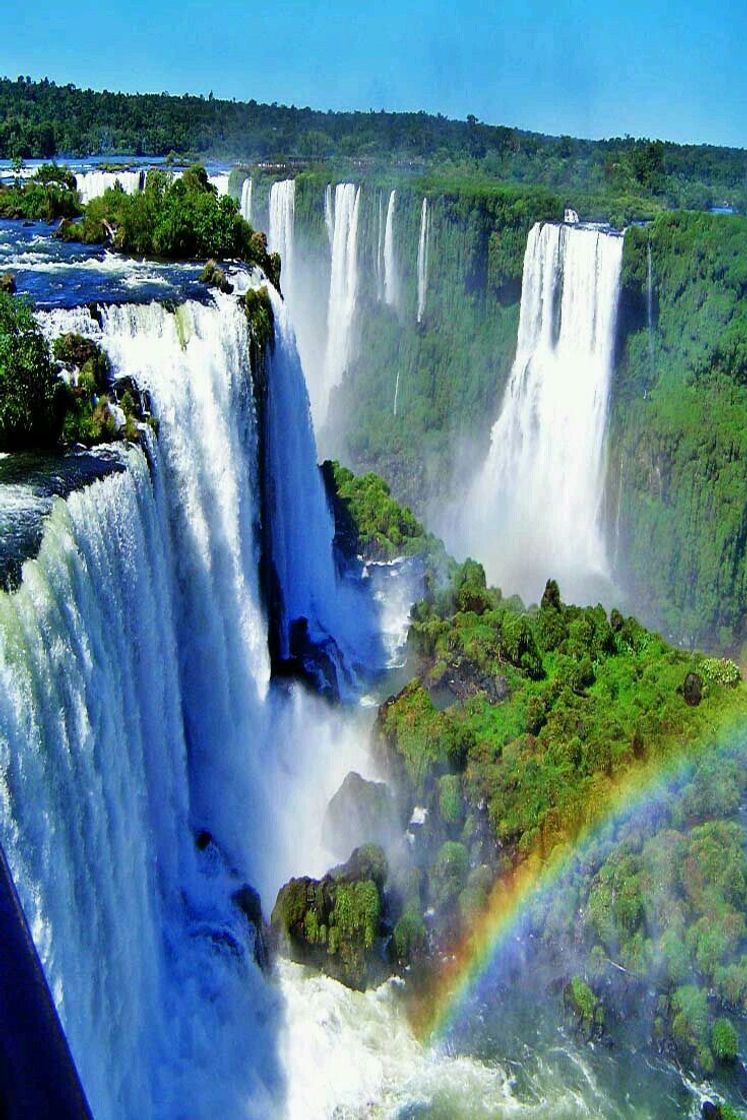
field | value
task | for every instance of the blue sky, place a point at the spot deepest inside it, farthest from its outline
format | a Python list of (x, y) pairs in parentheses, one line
[(670, 70)]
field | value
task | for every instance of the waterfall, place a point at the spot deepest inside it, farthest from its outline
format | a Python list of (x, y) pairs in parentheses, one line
[(98, 813), (246, 200), (534, 510), (423, 259), (379, 251), (302, 524), (343, 290), (396, 394), (329, 214), (92, 184), (282, 218), (220, 182), (650, 305), (136, 712), (391, 281)]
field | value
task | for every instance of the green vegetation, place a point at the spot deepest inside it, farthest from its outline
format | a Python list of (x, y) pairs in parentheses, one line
[(29, 390), (334, 923), (516, 733), (42, 119), (587, 697), (174, 219), (369, 522), (678, 430), (59, 396), (49, 195)]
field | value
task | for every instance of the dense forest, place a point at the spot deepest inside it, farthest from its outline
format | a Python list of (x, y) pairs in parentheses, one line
[(42, 119)]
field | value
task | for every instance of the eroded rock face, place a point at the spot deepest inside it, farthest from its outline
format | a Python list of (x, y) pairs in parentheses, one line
[(334, 923), (361, 810)]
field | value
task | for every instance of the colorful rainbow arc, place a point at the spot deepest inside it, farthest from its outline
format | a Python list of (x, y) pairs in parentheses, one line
[(507, 905)]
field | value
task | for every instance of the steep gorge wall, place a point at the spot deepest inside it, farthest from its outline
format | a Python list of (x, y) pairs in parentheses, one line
[(677, 444)]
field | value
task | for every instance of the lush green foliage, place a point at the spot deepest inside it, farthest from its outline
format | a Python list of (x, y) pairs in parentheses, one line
[(42, 119), (176, 219), (334, 922), (678, 435), (39, 408), (29, 394), (370, 522), (516, 732), (50, 194)]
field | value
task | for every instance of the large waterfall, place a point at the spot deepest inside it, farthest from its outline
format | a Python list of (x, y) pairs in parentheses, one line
[(343, 290), (136, 715), (534, 511), (423, 259), (282, 219)]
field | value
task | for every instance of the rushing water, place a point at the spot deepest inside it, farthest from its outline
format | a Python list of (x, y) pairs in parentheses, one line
[(423, 259), (391, 279), (246, 199), (534, 509), (343, 292), (281, 234)]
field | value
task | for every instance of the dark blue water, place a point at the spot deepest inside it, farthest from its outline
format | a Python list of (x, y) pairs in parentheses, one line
[(62, 274)]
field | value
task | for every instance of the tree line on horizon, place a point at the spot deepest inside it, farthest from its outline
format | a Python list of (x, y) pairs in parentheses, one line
[(40, 119)]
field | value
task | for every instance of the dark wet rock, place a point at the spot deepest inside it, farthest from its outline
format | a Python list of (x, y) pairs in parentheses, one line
[(214, 276), (692, 689), (203, 840), (360, 811), (463, 679), (247, 900), (334, 924)]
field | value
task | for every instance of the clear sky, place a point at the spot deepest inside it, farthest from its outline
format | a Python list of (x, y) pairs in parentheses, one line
[(673, 70)]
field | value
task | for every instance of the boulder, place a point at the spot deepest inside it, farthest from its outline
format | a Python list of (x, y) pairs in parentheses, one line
[(247, 900), (334, 923), (360, 812), (8, 283), (692, 689)]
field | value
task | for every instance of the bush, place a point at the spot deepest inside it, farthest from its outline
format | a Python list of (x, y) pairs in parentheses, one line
[(724, 1041), (29, 394)]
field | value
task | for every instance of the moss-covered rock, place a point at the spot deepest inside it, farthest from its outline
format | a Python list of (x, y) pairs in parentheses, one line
[(215, 277), (334, 923), (585, 1007)]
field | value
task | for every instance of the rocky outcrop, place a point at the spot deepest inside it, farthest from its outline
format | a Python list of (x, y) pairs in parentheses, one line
[(334, 923), (360, 811)]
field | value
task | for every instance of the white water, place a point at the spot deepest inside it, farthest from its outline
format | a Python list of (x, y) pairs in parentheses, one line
[(135, 711), (220, 182), (391, 279), (379, 250), (282, 218), (246, 200), (343, 291), (329, 214), (97, 807), (534, 510), (302, 523), (423, 259), (92, 184)]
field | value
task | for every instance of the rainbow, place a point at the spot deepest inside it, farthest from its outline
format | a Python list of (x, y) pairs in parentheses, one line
[(611, 803)]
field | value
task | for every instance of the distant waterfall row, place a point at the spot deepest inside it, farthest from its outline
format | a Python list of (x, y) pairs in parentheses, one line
[(92, 184), (534, 510), (327, 358)]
